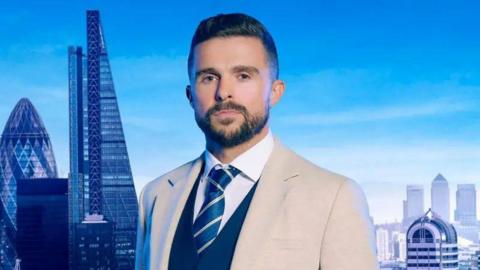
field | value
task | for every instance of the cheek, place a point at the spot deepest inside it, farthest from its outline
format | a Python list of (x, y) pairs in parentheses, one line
[(204, 93), (254, 90), (255, 97), (258, 105), (201, 105)]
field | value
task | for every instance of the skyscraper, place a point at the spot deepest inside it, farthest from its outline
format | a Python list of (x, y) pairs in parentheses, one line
[(466, 210), (95, 244), (431, 244), (100, 170), (77, 88), (42, 223), (383, 245), (440, 195), (25, 153), (399, 246), (414, 206)]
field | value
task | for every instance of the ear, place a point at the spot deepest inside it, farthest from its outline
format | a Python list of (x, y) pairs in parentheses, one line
[(188, 93), (278, 87)]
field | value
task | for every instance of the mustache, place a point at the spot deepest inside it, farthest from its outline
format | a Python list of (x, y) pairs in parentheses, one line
[(227, 106)]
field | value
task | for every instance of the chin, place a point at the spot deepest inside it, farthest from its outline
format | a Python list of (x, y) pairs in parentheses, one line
[(227, 124), (227, 130)]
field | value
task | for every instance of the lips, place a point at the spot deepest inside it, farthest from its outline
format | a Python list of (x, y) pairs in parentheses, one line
[(226, 113)]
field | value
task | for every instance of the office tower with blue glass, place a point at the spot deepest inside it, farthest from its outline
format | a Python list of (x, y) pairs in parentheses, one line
[(95, 244), (101, 182), (42, 223), (77, 89), (25, 154)]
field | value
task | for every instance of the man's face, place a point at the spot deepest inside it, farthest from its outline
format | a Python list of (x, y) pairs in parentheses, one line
[(231, 89)]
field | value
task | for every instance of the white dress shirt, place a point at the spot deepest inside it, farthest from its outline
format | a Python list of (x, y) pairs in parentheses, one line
[(250, 163)]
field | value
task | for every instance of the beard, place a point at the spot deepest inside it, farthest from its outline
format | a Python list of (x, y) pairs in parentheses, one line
[(251, 125)]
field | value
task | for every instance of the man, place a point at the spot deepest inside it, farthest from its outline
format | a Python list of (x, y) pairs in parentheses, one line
[(247, 202)]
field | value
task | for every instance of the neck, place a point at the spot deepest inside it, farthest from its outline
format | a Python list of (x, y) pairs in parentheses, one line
[(228, 154)]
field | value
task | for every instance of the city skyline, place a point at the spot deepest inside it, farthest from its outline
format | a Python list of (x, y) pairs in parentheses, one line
[(462, 206), (391, 98), (416, 242)]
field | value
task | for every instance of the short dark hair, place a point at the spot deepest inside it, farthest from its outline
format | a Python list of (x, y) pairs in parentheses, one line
[(235, 24)]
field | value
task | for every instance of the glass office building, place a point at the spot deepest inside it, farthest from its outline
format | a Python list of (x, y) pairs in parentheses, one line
[(94, 248), (42, 223), (101, 181), (25, 153), (432, 244)]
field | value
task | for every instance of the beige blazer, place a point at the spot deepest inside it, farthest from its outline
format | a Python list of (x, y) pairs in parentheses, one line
[(301, 217)]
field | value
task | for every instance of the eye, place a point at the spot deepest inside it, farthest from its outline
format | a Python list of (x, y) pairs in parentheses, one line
[(243, 76), (208, 78)]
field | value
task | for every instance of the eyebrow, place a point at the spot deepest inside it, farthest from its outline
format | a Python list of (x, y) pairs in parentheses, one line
[(249, 69), (235, 69)]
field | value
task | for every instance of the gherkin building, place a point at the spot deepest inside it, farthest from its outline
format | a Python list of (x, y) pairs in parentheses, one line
[(25, 153)]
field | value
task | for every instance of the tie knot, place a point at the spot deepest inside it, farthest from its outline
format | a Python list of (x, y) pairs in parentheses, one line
[(220, 177)]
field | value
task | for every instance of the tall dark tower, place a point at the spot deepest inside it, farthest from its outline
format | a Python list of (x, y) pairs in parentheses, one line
[(25, 153), (104, 178), (94, 51)]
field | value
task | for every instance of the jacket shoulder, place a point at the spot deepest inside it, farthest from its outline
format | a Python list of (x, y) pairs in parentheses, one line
[(152, 188), (318, 180), (316, 175)]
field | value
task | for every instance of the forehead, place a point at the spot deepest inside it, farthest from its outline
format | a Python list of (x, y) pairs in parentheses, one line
[(227, 52)]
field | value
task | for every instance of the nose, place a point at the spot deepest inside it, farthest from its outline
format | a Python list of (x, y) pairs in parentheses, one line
[(224, 90)]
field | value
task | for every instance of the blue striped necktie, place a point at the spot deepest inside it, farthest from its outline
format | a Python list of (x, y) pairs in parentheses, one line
[(207, 223)]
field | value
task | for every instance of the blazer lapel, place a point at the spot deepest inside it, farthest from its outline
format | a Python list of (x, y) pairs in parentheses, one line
[(263, 209), (168, 209)]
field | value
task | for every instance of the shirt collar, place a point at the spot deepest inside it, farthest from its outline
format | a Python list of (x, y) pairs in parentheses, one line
[(251, 162)]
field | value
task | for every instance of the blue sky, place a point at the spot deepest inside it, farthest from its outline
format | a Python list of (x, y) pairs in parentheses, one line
[(384, 92)]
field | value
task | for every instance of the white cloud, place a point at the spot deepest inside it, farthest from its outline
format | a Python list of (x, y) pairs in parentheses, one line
[(379, 113)]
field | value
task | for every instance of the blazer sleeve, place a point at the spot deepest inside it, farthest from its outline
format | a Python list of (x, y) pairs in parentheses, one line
[(141, 231), (349, 241)]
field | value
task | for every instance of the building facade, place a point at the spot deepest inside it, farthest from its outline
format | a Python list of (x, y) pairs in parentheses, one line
[(440, 197), (42, 223), (25, 153), (100, 168), (466, 209), (399, 246), (383, 245), (78, 163), (431, 244), (414, 205), (95, 244)]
